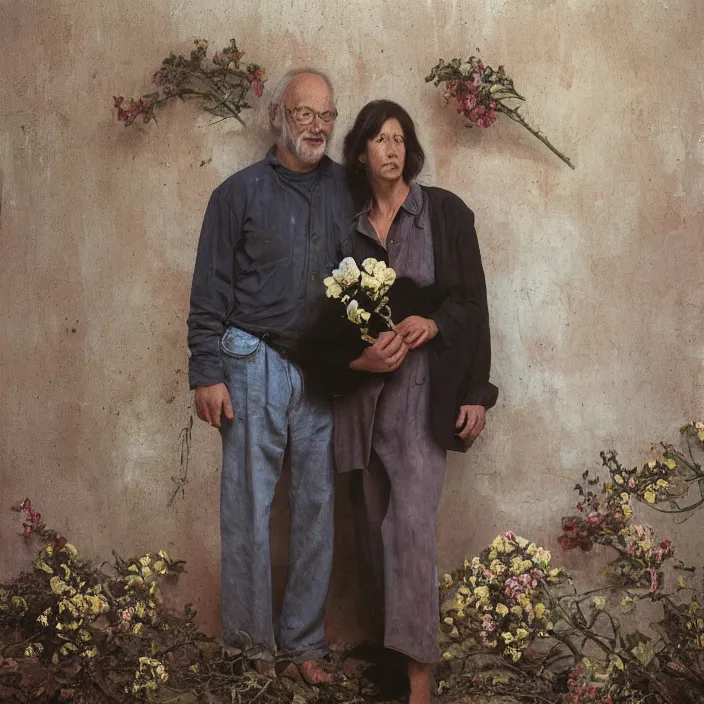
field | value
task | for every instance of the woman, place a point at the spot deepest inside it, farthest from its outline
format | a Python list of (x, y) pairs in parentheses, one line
[(397, 427)]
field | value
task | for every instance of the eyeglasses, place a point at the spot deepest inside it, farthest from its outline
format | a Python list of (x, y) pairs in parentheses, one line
[(305, 116)]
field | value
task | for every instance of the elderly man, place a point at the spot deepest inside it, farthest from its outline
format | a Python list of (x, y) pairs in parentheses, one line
[(271, 233)]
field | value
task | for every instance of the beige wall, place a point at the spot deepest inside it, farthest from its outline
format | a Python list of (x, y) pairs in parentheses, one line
[(595, 276)]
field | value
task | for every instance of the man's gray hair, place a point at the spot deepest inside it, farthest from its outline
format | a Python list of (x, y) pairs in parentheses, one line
[(276, 104)]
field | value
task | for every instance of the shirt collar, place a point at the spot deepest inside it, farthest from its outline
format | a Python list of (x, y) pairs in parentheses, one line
[(323, 167), (413, 203)]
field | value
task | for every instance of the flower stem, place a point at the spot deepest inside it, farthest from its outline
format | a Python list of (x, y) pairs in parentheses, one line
[(517, 117)]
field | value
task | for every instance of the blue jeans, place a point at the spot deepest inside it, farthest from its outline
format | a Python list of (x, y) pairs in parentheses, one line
[(273, 413)]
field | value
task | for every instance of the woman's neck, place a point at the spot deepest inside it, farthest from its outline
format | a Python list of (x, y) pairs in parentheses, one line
[(389, 197)]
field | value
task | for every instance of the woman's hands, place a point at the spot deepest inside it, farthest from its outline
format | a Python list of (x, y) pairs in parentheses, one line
[(416, 331), (391, 348), (385, 355)]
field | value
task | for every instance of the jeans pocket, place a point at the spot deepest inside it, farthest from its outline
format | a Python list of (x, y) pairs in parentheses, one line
[(239, 344)]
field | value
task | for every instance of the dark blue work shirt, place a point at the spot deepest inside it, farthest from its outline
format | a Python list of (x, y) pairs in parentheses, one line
[(269, 238)]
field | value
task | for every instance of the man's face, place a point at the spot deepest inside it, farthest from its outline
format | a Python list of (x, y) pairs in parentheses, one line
[(309, 118)]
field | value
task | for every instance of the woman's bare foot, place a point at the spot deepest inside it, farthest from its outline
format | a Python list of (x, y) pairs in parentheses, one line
[(313, 673), (290, 671), (420, 676)]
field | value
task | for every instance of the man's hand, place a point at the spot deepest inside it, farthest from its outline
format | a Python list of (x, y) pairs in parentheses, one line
[(474, 419), (212, 402), (385, 355), (416, 331)]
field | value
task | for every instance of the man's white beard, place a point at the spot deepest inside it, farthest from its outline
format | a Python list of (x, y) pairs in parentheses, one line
[(307, 153), (301, 149)]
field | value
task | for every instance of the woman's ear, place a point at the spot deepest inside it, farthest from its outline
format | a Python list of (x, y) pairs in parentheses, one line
[(363, 158)]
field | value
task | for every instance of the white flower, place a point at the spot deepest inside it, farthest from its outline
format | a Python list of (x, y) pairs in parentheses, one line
[(332, 288), (370, 282), (379, 269), (355, 313), (347, 272), (598, 603), (369, 264)]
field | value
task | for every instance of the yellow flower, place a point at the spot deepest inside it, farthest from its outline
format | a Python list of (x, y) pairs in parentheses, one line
[(618, 479), (90, 653), (137, 628), (70, 549), (532, 549), (498, 543), (19, 603), (447, 655), (670, 463), (163, 555), (542, 557), (146, 560), (517, 610), (521, 633), (139, 609), (201, 43), (508, 637), (516, 565), (501, 609), (447, 580), (598, 603), (627, 511), (448, 620), (482, 592), (662, 484), (650, 494), (58, 586), (652, 464), (498, 567), (522, 542)]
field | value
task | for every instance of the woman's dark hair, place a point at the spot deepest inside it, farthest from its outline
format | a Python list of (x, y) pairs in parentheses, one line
[(368, 124)]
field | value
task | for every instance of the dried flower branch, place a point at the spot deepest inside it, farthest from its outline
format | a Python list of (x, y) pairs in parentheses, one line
[(221, 88), (480, 92)]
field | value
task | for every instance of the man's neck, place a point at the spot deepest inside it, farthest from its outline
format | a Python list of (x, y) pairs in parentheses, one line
[(292, 162), (389, 196)]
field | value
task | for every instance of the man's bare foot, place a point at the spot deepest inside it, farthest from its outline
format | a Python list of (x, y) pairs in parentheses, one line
[(420, 676), (313, 673), (264, 667)]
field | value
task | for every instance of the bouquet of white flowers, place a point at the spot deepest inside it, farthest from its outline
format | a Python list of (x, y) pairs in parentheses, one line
[(363, 292)]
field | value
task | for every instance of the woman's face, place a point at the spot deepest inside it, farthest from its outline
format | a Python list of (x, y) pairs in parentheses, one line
[(385, 156)]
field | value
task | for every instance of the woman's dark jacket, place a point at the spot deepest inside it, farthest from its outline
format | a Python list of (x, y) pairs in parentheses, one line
[(459, 356)]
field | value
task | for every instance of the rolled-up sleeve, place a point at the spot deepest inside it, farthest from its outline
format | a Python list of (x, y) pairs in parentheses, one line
[(212, 291)]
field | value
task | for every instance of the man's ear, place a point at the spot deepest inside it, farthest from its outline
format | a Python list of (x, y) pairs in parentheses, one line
[(273, 113)]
